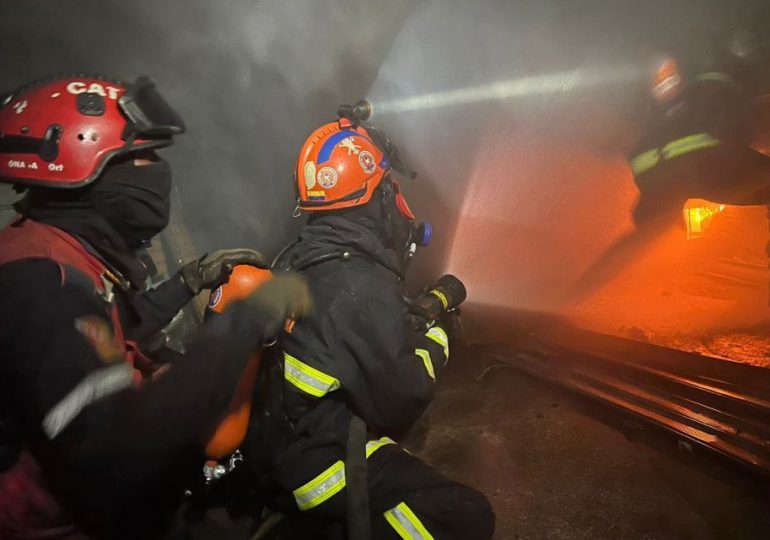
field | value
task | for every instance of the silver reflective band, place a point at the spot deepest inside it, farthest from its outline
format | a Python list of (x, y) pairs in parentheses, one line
[(331, 481), (97, 384), (307, 378), (322, 487), (406, 523)]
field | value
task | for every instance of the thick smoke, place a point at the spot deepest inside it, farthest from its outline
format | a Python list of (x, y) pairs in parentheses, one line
[(251, 78), (516, 114), (519, 116)]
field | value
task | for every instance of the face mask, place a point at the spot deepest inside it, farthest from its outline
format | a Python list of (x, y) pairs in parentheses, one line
[(405, 234), (135, 200)]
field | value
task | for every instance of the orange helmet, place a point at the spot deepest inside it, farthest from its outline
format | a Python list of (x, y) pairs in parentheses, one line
[(667, 81), (339, 166)]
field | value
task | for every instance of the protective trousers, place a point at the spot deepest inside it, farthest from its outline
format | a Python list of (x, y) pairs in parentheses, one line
[(407, 498)]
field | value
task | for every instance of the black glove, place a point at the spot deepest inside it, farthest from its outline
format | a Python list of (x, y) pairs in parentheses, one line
[(211, 271), (286, 296)]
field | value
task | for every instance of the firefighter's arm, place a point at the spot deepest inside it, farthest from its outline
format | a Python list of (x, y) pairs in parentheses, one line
[(156, 307), (400, 367), (102, 438)]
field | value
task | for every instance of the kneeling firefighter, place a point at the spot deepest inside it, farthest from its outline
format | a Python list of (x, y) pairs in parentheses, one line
[(96, 439), (355, 376)]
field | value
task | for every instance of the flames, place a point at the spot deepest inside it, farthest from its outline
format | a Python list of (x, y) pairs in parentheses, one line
[(698, 215)]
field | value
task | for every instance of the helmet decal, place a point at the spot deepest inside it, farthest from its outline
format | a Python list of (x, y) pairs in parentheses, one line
[(327, 177), (339, 166), (367, 162), (310, 179), (326, 150)]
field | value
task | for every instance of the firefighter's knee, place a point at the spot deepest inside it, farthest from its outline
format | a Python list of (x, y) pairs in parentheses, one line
[(479, 514), (471, 513)]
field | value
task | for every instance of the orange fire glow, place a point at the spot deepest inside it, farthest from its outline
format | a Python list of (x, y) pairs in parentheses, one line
[(698, 214)]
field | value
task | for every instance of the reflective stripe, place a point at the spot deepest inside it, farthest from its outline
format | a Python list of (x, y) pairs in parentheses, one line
[(645, 161), (688, 144), (96, 385), (439, 336), (425, 355), (308, 379), (322, 487), (691, 143), (407, 525), (373, 446), (441, 296), (332, 480), (714, 76)]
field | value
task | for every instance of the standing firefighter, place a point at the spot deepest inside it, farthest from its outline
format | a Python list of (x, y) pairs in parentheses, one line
[(696, 143), (355, 376), (95, 439), (698, 136)]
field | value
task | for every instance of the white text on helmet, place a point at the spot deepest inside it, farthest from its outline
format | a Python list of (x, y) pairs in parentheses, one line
[(78, 87)]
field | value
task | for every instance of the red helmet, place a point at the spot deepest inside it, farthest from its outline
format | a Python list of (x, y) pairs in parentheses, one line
[(339, 166), (60, 132)]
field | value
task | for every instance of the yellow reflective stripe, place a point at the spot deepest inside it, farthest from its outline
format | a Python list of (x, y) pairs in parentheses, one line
[(439, 336), (688, 144), (308, 379), (714, 76), (441, 296), (425, 355), (645, 161), (373, 446), (332, 480), (322, 487), (691, 143), (406, 524)]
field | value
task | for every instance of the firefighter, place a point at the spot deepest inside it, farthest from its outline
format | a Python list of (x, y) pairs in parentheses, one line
[(96, 440), (354, 377), (699, 131), (696, 142)]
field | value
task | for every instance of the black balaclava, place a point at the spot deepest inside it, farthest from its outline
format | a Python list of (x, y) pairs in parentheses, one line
[(116, 215), (134, 199)]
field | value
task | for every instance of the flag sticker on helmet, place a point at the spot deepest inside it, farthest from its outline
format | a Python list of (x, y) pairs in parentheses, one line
[(367, 161), (327, 177), (316, 195), (309, 174)]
